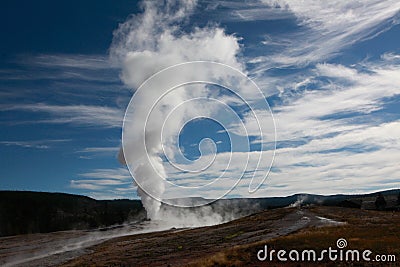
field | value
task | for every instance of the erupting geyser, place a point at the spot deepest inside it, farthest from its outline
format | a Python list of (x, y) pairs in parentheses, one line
[(179, 76), (145, 44)]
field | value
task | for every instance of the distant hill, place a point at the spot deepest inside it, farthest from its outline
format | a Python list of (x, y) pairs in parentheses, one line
[(23, 212), (341, 200)]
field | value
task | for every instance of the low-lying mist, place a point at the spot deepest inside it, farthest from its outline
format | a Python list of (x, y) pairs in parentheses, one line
[(58, 247), (218, 212)]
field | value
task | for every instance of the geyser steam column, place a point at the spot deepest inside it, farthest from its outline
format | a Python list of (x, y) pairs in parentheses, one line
[(165, 103)]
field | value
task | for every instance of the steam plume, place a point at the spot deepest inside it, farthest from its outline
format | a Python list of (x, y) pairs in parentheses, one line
[(147, 43)]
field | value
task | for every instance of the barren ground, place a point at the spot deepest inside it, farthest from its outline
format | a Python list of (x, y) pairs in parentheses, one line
[(235, 243)]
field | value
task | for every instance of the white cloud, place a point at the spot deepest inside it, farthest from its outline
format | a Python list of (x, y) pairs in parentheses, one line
[(106, 183), (82, 185), (357, 153), (311, 169), (337, 154), (121, 174), (326, 28), (313, 113), (96, 150), (250, 10), (83, 115), (37, 144), (78, 61), (390, 57), (57, 67)]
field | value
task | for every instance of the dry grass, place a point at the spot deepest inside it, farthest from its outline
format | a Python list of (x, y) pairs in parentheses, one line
[(236, 243), (373, 230)]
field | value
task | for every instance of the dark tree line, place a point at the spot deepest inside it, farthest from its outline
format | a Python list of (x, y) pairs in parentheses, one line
[(37, 212), (380, 202), (398, 199)]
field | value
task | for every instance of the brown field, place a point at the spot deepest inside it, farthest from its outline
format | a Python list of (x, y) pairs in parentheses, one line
[(236, 243)]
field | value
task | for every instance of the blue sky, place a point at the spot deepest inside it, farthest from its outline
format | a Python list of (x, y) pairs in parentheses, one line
[(330, 72)]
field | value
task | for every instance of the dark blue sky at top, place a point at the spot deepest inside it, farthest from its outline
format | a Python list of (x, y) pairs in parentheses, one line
[(74, 26)]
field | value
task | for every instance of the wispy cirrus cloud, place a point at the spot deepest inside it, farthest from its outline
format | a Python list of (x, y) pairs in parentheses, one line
[(325, 29), (95, 152), (239, 11), (120, 174), (83, 115), (89, 68), (36, 144), (98, 149), (106, 183), (83, 185), (349, 143), (339, 95), (78, 61)]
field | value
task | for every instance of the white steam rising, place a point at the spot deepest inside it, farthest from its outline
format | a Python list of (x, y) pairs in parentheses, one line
[(143, 45)]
